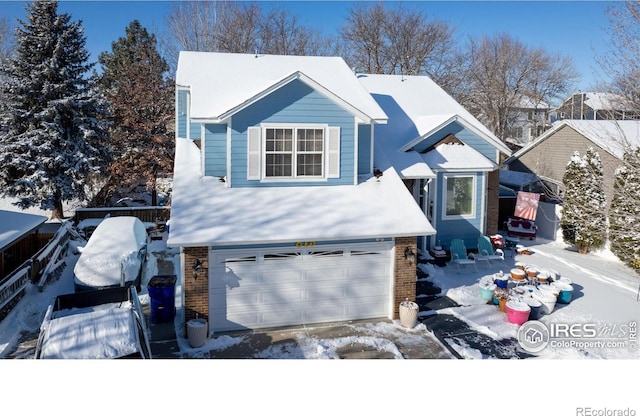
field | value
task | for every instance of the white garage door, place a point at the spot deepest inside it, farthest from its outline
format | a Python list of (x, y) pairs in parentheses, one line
[(299, 285)]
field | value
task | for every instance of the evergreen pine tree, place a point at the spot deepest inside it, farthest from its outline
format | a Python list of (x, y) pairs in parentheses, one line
[(142, 108), (584, 221), (52, 140), (624, 215)]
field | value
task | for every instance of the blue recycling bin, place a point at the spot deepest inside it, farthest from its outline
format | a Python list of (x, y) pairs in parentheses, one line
[(162, 292)]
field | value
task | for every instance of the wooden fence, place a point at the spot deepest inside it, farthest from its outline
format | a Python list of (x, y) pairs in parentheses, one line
[(39, 269), (145, 214)]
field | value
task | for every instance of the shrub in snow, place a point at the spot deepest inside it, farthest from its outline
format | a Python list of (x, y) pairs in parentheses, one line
[(584, 221), (624, 215)]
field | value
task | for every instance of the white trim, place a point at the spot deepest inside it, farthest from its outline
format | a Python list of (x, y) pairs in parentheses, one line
[(229, 141), (356, 146), (203, 146), (372, 150), (297, 75), (497, 143), (474, 192), (483, 206)]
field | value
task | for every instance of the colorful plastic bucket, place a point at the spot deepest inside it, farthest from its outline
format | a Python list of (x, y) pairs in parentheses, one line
[(517, 312), (547, 299), (536, 308), (486, 293), (501, 282), (566, 291)]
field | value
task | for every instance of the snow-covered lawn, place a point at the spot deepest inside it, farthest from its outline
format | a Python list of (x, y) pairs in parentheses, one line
[(604, 298)]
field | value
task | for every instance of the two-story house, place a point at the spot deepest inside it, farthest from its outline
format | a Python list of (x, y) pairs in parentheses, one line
[(296, 182), (528, 120), (595, 106)]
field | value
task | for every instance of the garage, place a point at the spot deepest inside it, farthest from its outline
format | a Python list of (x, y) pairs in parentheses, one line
[(301, 283)]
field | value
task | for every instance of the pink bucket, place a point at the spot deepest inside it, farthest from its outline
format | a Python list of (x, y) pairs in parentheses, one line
[(517, 312)]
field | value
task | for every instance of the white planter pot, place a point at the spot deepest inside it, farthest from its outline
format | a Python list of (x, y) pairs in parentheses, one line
[(197, 332), (408, 314)]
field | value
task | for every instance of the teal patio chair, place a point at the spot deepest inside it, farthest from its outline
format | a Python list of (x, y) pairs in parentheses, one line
[(459, 255), (486, 251)]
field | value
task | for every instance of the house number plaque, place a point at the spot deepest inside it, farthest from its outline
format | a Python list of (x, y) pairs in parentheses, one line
[(305, 243)]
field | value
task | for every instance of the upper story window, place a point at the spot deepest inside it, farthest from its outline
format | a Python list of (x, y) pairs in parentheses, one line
[(297, 152), (460, 196), (294, 152)]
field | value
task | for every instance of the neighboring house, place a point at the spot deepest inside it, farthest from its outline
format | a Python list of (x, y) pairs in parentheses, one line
[(527, 121), (595, 106), (18, 239), (548, 156), (290, 201)]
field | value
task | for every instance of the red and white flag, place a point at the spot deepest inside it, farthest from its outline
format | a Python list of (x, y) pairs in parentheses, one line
[(527, 205)]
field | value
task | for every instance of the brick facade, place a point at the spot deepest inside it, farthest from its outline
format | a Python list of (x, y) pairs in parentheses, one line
[(493, 202), (196, 291), (405, 273)]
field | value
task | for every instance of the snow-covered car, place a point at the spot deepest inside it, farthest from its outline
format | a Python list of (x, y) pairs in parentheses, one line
[(101, 324), (114, 255)]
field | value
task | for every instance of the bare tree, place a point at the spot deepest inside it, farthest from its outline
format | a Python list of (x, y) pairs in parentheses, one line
[(622, 60), (239, 27), (503, 71), (396, 40)]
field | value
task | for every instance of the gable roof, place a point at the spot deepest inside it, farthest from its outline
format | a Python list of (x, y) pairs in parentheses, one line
[(238, 80), (457, 157), (14, 225), (613, 136), (417, 107)]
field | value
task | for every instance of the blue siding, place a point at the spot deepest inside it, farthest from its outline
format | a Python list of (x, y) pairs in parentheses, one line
[(181, 113), (295, 102), (364, 149), (467, 229), (464, 134), (195, 132), (215, 150), (182, 109)]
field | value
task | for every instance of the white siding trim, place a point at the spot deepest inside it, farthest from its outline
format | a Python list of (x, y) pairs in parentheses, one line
[(227, 182)]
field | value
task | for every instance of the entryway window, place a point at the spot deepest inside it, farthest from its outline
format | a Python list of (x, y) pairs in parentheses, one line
[(460, 196)]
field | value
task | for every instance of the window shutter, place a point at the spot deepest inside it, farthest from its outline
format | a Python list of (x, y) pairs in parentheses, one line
[(333, 153), (253, 153)]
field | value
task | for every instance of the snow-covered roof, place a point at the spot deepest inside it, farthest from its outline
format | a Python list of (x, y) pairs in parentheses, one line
[(529, 103), (457, 156), (604, 101), (613, 136), (237, 80), (115, 243), (515, 178), (98, 332), (14, 225), (418, 107), (206, 212)]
